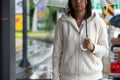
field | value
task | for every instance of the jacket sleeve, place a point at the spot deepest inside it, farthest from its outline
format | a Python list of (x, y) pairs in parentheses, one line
[(57, 51), (101, 48)]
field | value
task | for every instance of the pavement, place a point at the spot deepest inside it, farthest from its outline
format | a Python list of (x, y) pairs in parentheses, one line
[(105, 77), (18, 44), (19, 47)]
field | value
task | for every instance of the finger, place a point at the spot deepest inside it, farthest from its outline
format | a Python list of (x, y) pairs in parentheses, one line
[(87, 40), (89, 47), (86, 43)]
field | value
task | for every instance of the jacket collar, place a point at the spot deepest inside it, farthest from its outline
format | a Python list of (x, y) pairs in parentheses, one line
[(72, 21)]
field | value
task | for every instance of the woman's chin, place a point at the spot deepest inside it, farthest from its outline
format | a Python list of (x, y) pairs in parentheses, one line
[(79, 10)]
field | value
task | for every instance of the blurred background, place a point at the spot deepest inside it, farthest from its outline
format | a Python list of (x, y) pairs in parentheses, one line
[(41, 22), (35, 23)]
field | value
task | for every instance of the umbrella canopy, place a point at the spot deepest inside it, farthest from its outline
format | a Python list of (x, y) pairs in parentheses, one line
[(115, 21), (56, 3)]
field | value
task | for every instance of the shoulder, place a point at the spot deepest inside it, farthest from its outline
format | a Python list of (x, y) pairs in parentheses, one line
[(95, 18), (61, 18), (99, 22), (64, 19), (60, 21), (98, 18)]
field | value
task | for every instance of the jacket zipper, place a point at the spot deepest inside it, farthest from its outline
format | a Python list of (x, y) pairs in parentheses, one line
[(78, 54), (79, 43), (78, 50)]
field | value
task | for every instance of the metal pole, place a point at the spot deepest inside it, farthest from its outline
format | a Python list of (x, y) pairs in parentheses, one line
[(24, 63), (51, 22), (28, 16)]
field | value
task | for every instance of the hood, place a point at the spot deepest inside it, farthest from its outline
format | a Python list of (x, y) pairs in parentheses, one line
[(72, 21), (70, 18)]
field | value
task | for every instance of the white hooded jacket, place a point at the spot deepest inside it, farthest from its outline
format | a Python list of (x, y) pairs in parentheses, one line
[(69, 61)]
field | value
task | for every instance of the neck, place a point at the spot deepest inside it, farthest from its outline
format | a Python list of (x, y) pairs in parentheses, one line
[(79, 17)]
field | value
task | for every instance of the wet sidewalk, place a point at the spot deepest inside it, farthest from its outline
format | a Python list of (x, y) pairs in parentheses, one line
[(18, 44), (38, 57)]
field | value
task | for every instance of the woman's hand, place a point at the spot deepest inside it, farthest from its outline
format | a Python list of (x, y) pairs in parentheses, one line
[(88, 44)]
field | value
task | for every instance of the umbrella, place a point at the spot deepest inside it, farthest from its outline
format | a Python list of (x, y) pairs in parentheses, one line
[(115, 21), (56, 3)]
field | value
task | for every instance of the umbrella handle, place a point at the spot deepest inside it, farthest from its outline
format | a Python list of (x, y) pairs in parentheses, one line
[(86, 19), (86, 28), (83, 49)]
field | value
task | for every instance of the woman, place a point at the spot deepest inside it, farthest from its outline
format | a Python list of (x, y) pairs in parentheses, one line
[(78, 49)]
